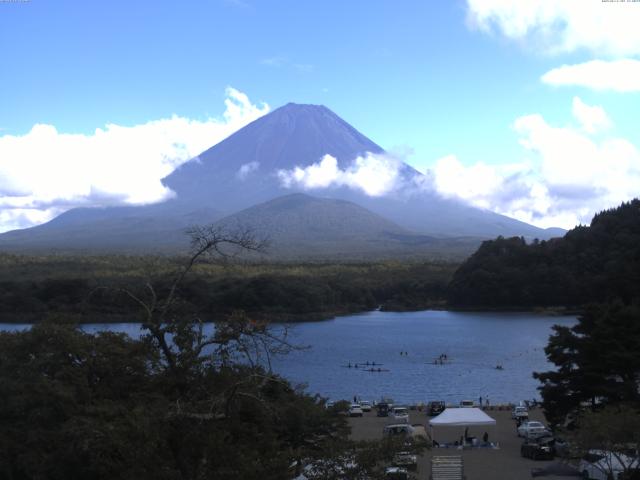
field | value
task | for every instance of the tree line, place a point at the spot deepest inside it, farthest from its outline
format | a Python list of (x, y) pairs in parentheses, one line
[(597, 263), (90, 288)]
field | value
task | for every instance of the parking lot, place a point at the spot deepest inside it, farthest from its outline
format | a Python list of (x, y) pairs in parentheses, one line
[(503, 463)]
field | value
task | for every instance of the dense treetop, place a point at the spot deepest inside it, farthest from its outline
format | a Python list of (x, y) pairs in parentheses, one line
[(597, 263)]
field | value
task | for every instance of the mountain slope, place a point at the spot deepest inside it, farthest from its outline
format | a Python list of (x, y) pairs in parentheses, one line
[(242, 171), (153, 228), (299, 225)]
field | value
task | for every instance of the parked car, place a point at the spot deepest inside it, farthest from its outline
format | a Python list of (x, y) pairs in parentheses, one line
[(538, 449), (365, 405), (532, 429), (520, 413), (355, 410), (562, 448), (405, 459), (603, 465), (383, 409), (400, 414), (467, 404), (396, 473), (406, 430), (559, 446), (435, 407)]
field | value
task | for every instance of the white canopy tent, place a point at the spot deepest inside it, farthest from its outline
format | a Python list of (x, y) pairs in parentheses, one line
[(461, 417)]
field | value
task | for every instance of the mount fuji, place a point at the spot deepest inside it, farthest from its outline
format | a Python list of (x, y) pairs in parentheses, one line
[(279, 155)]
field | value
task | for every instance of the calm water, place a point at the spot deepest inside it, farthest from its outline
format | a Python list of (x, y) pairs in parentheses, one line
[(473, 342)]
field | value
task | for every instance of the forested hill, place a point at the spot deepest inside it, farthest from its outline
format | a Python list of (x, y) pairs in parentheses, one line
[(589, 264)]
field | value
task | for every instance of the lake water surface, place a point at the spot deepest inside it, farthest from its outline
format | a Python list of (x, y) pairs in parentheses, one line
[(473, 342)]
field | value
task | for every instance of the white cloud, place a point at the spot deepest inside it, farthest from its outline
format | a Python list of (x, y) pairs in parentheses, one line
[(44, 171), (373, 174), (476, 184), (567, 173), (618, 75), (570, 174), (246, 169), (556, 26), (592, 118)]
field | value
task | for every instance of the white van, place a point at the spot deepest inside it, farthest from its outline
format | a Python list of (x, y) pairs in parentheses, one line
[(400, 414)]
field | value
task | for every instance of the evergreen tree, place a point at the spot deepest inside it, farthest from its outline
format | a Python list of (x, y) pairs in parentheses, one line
[(597, 360)]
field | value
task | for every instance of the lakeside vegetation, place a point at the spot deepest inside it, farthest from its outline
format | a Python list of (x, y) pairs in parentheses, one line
[(90, 288)]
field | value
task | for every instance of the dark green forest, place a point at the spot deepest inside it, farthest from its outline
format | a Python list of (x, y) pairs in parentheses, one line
[(597, 263), (597, 362), (90, 289), (174, 404)]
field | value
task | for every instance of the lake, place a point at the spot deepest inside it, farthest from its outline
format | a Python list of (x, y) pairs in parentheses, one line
[(474, 344)]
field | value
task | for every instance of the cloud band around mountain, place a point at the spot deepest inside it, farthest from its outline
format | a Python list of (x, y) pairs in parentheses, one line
[(373, 174), (566, 174), (45, 172)]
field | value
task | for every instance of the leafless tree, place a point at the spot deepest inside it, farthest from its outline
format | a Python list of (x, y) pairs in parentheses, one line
[(180, 337)]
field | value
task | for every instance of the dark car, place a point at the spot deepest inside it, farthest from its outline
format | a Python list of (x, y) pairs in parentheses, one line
[(383, 409), (435, 408), (563, 449), (559, 447), (538, 449)]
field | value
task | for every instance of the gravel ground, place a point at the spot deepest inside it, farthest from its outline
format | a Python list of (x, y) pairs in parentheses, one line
[(504, 463)]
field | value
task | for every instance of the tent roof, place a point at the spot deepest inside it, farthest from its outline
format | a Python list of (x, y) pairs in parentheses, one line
[(461, 417)]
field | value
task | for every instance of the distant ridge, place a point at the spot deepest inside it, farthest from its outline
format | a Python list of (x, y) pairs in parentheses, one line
[(299, 226), (147, 229)]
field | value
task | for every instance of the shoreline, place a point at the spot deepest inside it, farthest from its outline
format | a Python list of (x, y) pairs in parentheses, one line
[(287, 317)]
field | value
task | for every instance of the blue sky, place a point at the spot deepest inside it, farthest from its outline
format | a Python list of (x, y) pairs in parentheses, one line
[(426, 80)]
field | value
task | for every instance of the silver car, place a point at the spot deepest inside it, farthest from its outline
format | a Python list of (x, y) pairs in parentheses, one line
[(532, 429)]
